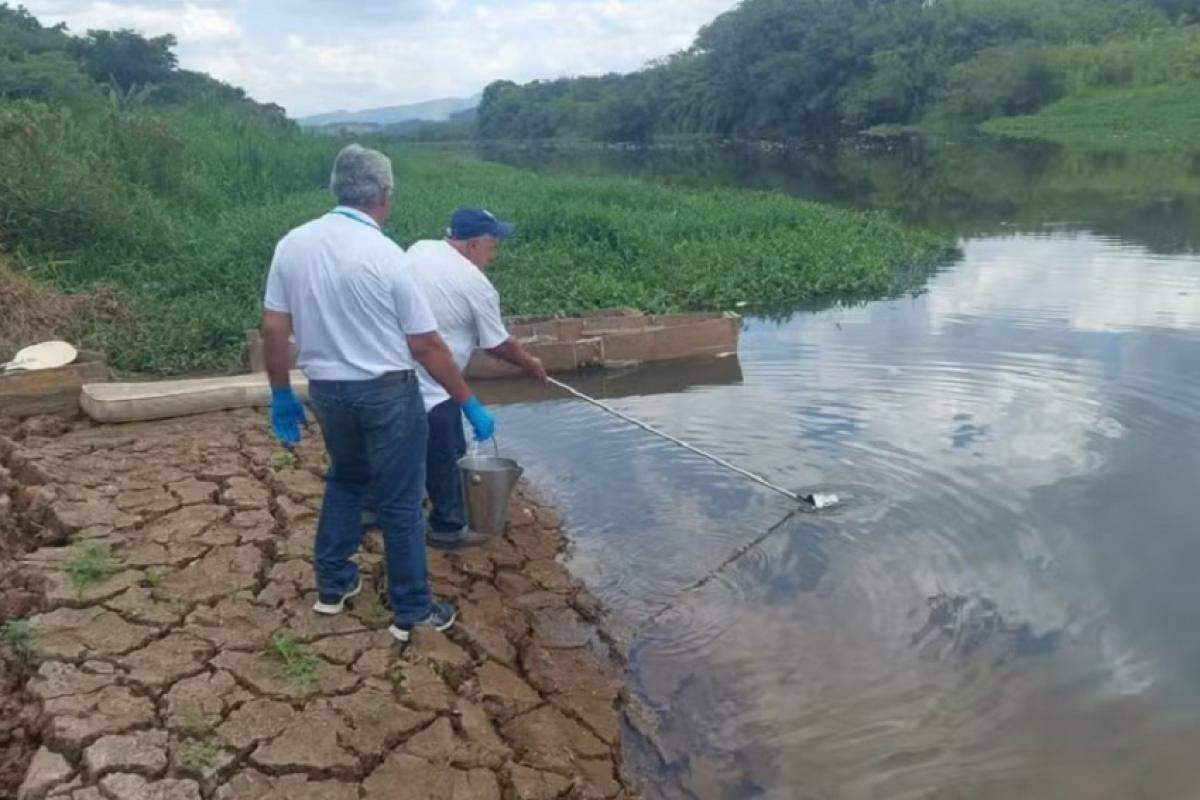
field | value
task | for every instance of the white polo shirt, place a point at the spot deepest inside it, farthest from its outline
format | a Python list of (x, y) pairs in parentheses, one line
[(464, 303), (351, 296)]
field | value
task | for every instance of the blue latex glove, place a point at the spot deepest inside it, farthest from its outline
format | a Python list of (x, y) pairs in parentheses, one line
[(482, 421), (287, 415)]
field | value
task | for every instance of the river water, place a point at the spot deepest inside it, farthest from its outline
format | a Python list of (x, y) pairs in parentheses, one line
[(1007, 603)]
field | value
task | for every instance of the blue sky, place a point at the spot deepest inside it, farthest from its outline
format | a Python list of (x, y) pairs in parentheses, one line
[(320, 55)]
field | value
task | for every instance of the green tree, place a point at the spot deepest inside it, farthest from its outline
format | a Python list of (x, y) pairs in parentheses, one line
[(804, 68), (127, 58), (35, 63), (20, 32), (1001, 82), (1183, 10), (44, 76), (626, 113)]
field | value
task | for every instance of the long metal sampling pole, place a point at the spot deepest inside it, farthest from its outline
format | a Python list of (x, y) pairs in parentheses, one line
[(715, 459)]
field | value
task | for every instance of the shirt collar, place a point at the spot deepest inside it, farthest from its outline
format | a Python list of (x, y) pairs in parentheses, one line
[(359, 215)]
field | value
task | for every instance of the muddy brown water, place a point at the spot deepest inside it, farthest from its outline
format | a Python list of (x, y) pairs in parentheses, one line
[(1007, 605)]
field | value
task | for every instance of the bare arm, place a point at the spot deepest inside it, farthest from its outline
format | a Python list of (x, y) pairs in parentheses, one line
[(431, 353), (512, 352), (277, 348)]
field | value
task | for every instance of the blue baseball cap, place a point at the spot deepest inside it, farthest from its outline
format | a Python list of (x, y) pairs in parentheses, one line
[(468, 223)]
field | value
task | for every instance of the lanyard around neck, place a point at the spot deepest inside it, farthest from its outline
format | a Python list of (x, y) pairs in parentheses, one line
[(356, 218)]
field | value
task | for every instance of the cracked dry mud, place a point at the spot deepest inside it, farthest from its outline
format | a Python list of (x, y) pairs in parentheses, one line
[(155, 680)]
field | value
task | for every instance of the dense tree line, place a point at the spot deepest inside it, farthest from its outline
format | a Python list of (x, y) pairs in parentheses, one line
[(803, 68), (48, 64), (93, 126), (150, 193)]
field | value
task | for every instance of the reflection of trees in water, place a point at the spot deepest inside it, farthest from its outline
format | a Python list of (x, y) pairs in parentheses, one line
[(981, 186), (971, 187)]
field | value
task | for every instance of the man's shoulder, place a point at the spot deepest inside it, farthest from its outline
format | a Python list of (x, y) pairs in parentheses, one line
[(438, 255), (384, 244), (371, 245), (301, 232), (328, 225), (431, 251), (436, 261), (302, 237)]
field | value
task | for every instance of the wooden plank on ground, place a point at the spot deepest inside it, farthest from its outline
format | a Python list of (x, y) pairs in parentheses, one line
[(49, 391), (134, 402)]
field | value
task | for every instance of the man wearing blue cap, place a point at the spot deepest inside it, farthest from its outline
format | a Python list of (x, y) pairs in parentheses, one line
[(449, 273)]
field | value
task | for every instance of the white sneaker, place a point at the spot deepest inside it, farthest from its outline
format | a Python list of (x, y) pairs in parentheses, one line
[(330, 604)]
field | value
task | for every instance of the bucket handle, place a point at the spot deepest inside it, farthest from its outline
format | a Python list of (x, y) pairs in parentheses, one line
[(474, 451)]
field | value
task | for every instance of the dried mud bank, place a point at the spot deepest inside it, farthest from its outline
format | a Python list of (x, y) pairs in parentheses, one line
[(172, 654)]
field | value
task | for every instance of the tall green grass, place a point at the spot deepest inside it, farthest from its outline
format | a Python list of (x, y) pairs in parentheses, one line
[(1168, 57), (1131, 89), (1146, 118), (1138, 92), (179, 209)]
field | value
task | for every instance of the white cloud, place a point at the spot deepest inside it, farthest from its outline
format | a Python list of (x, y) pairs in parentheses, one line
[(316, 56), (1114, 298), (195, 24)]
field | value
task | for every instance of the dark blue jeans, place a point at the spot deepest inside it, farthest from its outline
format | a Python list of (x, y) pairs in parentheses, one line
[(375, 434), (443, 482)]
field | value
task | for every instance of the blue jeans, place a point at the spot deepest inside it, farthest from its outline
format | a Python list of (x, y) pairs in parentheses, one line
[(443, 482), (375, 434)]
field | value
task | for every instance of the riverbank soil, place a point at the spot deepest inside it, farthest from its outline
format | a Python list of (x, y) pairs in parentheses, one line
[(174, 653), (20, 596), (34, 312)]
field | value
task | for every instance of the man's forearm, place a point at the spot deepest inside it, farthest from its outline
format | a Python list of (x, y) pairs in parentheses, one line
[(512, 352), (277, 349), (441, 368), (432, 353)]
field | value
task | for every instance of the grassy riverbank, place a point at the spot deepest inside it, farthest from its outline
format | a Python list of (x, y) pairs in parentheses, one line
[(1145, 118), (175, 212)]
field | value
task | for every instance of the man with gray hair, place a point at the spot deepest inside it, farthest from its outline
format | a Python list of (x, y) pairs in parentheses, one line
[(362, 326)]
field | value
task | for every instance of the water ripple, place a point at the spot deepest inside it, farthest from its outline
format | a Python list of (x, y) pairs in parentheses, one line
[(1012, 571)]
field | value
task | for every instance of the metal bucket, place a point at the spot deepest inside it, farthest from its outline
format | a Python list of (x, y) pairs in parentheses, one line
[(488, 482)]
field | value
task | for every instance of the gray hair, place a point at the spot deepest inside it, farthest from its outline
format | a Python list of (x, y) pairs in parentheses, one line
[(361, 177)]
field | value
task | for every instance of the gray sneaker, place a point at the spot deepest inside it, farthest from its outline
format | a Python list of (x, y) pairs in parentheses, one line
[(441, 617), (463, 537)]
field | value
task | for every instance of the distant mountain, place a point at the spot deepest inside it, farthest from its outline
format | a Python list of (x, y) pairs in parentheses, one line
[(429, 111)]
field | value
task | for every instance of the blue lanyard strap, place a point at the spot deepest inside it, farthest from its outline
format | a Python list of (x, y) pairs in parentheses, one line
[(357, 219)]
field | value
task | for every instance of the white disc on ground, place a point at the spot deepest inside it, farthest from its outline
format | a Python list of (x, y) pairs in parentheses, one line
[(47, 355)]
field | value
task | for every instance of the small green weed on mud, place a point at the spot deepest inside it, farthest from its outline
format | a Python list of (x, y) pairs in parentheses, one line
[(285, 459), (20, 636), (90, 564), (298, 664), (201, 755)]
